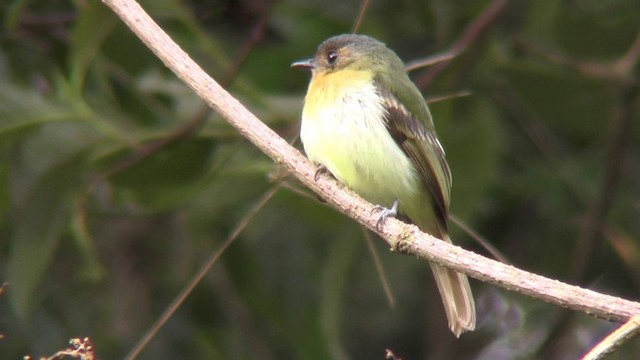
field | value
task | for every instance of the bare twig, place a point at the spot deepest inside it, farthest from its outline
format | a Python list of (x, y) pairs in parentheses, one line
[(479, 239), (611, 343), (626, 63), (401, 237), (589, 69), (620, 71), (446, 97), (363, 11), (626, 247), (429, 61), (379, 268)]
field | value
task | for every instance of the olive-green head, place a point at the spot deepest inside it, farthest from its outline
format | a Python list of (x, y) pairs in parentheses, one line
[(355, 52)]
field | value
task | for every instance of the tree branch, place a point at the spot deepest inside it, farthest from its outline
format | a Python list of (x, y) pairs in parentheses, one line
[(616, 339), (402, 237)]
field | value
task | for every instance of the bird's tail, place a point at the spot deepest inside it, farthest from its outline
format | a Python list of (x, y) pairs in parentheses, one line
[(456, 297)]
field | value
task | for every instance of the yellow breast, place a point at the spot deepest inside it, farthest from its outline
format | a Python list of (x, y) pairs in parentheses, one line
[(328, 87), (343, 129)]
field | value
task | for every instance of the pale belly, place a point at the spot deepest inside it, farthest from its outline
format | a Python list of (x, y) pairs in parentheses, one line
[(355, 146)]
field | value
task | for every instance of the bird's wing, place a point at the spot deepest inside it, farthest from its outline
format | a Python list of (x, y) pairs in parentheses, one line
[(423, 149)]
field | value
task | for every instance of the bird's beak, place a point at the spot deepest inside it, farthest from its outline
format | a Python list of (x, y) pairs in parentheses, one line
[(305, 64)]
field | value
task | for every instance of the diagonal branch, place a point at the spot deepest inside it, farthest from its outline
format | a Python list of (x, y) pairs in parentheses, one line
[(401, 237)]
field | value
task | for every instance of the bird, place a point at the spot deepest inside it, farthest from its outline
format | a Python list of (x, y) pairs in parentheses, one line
[(365, 122)]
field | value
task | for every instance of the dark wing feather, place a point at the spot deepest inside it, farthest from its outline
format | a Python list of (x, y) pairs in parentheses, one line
[(423, 149)]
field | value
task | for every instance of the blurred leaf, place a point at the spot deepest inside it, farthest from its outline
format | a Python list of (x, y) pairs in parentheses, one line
[(38, 225), (596, 29), (473, 141), (13, 13), (92, 27), (166, 178), (542, 15), (575, 105), (23, 110)]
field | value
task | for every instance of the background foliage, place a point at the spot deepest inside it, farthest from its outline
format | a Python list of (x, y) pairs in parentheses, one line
[(117, 183)]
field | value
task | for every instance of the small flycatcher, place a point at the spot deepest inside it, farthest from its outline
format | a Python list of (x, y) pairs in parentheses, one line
[(367, 124)]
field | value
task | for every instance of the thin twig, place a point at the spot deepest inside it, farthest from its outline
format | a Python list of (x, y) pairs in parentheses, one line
[(611, 343), (379, 268), (479, 239), (589, 69), (620, 71), (457, 95), (372, 250), (364, 6), (630, 59), (429, 61)]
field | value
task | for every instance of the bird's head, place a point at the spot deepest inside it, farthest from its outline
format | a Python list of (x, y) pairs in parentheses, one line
[(353, 52)]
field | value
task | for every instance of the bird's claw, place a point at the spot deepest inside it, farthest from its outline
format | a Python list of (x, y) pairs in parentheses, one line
[(319, 171), (385, 213)]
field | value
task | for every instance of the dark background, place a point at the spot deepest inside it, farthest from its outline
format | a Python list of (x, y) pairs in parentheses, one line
[(117, 183)]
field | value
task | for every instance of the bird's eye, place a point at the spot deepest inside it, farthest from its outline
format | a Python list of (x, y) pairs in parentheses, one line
[(332, 56)]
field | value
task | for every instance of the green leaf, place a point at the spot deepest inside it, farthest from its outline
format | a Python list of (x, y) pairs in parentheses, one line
[(38, 224), (166, 178), (91, 29), (23, 110)]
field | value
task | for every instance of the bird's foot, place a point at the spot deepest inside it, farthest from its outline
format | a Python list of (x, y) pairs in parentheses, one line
[(319, 171), (385, 213)]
